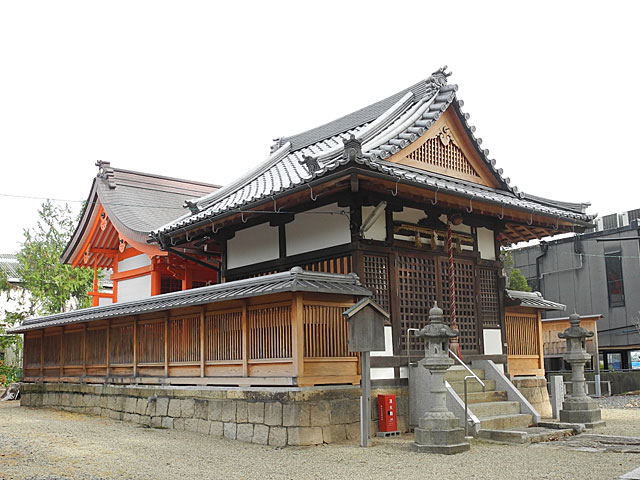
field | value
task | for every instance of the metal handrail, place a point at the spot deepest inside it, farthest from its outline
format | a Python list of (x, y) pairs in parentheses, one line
[(466, 404)]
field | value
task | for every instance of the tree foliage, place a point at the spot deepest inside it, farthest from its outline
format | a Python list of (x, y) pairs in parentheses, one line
[(515, 279)]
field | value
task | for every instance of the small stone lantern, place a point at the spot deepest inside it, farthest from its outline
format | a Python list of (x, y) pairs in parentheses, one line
[(438, 430), (578, 407)]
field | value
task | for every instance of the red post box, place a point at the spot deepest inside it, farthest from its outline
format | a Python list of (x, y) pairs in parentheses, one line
[(387, 414)]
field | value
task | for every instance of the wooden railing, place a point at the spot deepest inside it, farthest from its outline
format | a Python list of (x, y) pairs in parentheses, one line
[(524, 344)]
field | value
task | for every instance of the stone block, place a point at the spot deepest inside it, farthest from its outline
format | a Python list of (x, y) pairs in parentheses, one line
[(178, 424), (304, 435), (115, 415), (204, 426), (167, 422), (353, 431), (216, 429), (191, 424), (228, 413), (296, 415), (161, 407), (260, 434), (334, 433), (320, 414), (230, 430), (215, 410), (242, 415), (453, 436), (145, 420), (201, 409), (244, 432), (130, 405), (187, 407), (345, 411), (255, 412), (141, 406), (156, 421), (277, 436), (127, 417), (273, 414), (175, 409)]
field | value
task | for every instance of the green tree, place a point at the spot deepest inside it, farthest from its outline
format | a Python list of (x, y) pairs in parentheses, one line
[(515, 279), (53, 286)]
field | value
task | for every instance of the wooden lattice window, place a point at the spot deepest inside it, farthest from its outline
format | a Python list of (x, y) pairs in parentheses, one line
[(51, 350), (417, 292), (184, 339), (325, 332), (376, 278), (443, 152), (73, 348), (270, 332), (150, 342), (465, 301), (32, 347), (523, 336), (121, 344), (489, 300), (97, 346), (223, 336)]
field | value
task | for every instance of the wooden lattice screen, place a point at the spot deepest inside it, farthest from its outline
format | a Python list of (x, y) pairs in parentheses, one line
[(465, 301), (523, 337), (184, 339), (489, 309), (223, 340), (449, 156), (32, 346), (325, 332), (270, 332), (73, 348), (416, 292), (376, 278), (97, 346), (332, 265), (51, 350), (150, 342), (121, 345)]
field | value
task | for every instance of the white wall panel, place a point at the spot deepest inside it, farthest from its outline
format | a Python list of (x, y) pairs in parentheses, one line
[(486, 244), (104, 301), (492, 341), (315, 231), (253, 245), (377, 231), (131, 263), (134, 288)]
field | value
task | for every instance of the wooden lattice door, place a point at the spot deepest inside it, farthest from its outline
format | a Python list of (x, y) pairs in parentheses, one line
[(466, 316)]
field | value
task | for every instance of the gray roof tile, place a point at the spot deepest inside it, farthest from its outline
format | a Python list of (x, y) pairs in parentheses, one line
[(533, 300)]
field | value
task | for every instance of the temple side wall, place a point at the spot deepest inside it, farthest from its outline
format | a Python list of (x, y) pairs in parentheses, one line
[(275, 416)]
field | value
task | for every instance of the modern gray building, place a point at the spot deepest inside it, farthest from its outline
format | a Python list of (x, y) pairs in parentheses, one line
[(594, 273)]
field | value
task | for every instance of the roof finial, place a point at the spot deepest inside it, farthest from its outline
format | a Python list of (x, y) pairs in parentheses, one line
[(311, 163), (105, 171), (192, 206), (352, 148), (439, 77)]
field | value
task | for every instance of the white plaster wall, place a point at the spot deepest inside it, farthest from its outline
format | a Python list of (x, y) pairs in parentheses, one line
[(134, 288), (381, 373), (377, 231), (409, 215), (388, 344), (253, 245), (492, 341), (132, 263), (315, 231), (486, 244), (107, 301)]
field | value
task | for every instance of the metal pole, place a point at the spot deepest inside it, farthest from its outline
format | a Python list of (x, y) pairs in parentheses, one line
[(596, 368), (466, 416), (365, 400)]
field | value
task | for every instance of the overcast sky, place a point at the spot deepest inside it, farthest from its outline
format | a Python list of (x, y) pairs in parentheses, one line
[(199, 90)]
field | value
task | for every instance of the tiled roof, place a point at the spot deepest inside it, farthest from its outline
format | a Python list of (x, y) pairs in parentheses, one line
[(135, 202), (383, 129), (533, 300), (9, 266), (295, 280)]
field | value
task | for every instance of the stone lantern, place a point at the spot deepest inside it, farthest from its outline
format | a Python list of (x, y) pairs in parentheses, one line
[(578, 407), (438, 430)]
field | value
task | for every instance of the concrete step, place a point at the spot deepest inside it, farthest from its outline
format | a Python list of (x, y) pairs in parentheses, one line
[(481, 397), (503, 422), (457, 373), (524, 435), (491, 409), (472, 386)]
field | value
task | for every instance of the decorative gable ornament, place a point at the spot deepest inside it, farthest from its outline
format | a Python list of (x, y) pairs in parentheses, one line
[(310, 163), (352, 148)]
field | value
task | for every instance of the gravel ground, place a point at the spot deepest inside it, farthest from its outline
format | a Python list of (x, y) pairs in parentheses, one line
[(51, 444), (619, 401)]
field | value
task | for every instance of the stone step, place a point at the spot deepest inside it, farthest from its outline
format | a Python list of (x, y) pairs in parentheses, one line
[(524, 435), (491, 409), (503, 422), (472, 386), (457, 373), (481, 397)]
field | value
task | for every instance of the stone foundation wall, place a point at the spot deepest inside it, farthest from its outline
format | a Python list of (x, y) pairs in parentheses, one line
[(276, 416), (534, 389)]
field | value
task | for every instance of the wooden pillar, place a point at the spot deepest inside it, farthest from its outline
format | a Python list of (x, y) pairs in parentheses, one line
[(95, 300), (166, 344), (135, 346), (540, 343), (108, 346), (245, 341), (84, 350), (202, 357), (61, 359), (41, 353), (187, 280), (156, 278), (297, 335)]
